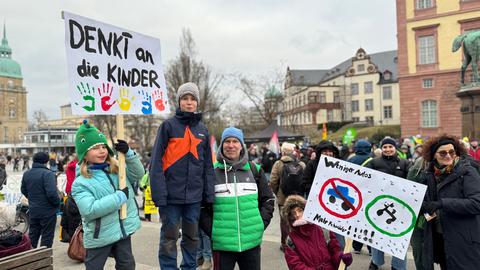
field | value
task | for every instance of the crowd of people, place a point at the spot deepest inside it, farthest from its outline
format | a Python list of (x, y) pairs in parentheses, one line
[(221, 209)]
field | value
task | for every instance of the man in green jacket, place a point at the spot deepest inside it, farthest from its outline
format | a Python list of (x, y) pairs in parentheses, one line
[(243, 206)]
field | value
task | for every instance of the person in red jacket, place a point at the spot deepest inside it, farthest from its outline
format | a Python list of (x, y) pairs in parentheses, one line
[(310, 247), (474, 150), (70, 173)]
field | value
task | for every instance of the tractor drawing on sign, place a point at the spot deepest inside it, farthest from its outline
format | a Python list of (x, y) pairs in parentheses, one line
[(333, 196)]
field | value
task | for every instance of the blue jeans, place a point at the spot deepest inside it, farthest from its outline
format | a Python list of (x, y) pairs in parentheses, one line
[(171, 216), (378, 260), (204, 247)]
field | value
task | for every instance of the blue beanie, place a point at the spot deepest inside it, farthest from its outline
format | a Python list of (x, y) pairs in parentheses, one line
[(388, 140), (232, 132)]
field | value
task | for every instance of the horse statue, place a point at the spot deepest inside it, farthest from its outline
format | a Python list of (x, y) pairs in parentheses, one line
[(471, 51)]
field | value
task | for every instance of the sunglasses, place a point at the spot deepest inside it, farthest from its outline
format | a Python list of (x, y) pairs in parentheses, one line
[(444, 153)]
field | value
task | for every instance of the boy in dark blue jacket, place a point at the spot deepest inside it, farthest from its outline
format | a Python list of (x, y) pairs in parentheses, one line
[(181, 178)]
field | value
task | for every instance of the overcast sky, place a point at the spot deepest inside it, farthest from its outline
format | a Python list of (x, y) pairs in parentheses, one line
[(251, 37)]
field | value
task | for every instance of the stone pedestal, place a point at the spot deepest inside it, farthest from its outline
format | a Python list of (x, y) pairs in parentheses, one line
[(470, 109)]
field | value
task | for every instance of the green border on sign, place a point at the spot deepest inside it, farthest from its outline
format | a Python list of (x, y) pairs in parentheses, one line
[(414, 218)]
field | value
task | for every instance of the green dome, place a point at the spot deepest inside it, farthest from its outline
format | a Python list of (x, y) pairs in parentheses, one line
[(8, 66), (272, 92)]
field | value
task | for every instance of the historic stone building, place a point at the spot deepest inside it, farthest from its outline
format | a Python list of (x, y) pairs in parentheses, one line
[(429, 73), (13, 97), (363, 88)]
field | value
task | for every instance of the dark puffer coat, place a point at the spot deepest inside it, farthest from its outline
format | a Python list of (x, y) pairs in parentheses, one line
[(459, 193), (181, 169), (392, 165), (311, 169)]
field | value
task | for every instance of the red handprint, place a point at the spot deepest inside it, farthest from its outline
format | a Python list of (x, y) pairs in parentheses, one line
[(106, 95), (158, 100)]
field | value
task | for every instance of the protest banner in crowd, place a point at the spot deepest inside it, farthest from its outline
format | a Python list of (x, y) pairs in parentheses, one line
[(368, 206), (11, 191), (112, 70)]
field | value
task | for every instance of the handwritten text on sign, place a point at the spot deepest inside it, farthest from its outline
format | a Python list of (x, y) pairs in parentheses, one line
[(371, 207), (113, 70)]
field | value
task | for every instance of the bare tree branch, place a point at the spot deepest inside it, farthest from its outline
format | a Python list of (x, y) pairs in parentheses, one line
[(186, 68)]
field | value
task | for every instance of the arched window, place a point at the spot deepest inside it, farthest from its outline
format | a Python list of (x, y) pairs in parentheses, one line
[(429, 113), (12, 112)]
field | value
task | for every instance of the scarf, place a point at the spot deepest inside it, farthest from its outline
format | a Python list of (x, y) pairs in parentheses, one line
[(439, 170), (98, 166)]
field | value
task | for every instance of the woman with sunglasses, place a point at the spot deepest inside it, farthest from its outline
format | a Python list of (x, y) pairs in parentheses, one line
[(451, 206)]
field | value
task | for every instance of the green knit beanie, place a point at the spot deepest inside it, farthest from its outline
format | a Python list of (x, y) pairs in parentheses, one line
[(88, 136)]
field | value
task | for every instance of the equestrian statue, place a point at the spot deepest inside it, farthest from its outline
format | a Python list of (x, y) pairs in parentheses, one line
[(471, 51)]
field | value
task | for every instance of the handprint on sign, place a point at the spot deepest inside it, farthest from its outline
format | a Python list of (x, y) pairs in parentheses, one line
[(158, 98), (146, 102), (125, 102), (87, 93), (106, 96)]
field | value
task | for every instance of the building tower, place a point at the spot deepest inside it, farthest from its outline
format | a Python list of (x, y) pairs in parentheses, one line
[(13, 96)]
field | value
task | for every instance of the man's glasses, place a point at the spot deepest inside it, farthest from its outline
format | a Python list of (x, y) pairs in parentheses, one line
[(444, 153)]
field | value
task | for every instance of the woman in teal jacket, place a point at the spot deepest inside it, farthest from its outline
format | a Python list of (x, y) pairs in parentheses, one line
[(99, 199)]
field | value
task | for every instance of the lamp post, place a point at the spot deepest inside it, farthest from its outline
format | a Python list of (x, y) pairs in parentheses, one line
[(64, 131), (49, 142)]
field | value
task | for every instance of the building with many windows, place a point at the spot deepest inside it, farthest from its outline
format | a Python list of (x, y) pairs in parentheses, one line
[(428, 70), (363, 88), (13, 96)]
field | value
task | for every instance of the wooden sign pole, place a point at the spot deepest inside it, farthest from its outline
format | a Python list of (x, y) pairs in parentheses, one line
[(122, 183), (347, 249)]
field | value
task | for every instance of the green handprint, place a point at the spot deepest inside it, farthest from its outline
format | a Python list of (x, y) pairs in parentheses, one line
[(88, 95), (124, 100)]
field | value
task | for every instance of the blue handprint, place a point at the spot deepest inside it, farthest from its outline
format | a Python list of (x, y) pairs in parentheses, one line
[(146, 102)]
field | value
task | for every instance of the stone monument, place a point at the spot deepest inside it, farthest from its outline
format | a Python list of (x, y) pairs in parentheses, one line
[(469, 92)]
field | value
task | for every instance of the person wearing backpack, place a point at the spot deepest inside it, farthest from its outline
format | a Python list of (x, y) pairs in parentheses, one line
[(286, 179)]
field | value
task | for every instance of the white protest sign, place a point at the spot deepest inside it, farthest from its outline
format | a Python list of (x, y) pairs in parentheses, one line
[(11, 190), (112, 70), (369, 206)]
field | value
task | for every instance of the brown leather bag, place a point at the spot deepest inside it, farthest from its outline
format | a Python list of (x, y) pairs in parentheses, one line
[(76, 251)]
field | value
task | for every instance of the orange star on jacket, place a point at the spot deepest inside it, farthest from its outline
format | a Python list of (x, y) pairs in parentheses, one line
[(179, 147)]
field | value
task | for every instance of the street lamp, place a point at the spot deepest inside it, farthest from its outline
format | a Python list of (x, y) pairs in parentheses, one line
[(64, 131), (49, 143)]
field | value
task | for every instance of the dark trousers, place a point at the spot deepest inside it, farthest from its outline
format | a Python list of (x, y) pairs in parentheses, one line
[(284, 229), (417, 248), (247, 260), (357, 246), (44, 227), (120, 250), (173, 216)]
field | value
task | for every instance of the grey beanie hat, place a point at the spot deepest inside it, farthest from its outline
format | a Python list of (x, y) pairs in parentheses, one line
[(188, 88)]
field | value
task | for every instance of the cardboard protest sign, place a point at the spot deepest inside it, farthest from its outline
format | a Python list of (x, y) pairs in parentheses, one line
[(113, 70), (149, 207), (371, 207)]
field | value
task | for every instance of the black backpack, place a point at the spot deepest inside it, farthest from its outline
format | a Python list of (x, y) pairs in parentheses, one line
[(291, 179)]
